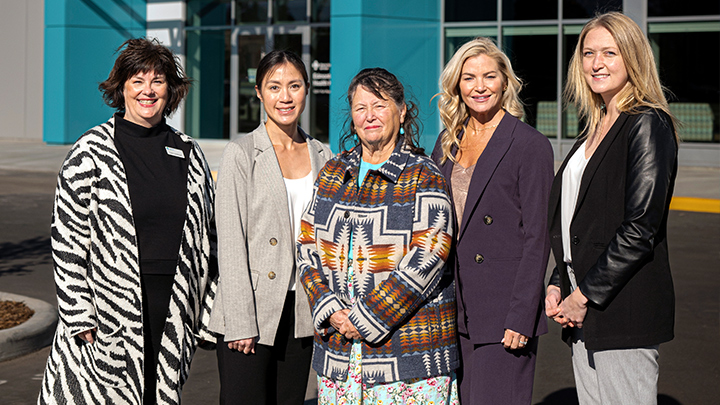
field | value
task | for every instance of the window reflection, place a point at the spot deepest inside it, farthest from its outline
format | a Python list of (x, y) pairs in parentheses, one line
[(695, 102), (212, 28), (470, 10), (252, 11), (533, 53), (320, 10), (320, 84), (250, 50), (290, 10), (529, 9), (665, 8), (588, 8), (203, 12), (456, 37), (573, 125)]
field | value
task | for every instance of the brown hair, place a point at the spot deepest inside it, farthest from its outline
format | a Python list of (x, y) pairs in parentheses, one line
[(141, 55)]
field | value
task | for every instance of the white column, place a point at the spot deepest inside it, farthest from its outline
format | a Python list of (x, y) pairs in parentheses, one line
[(637, 11)]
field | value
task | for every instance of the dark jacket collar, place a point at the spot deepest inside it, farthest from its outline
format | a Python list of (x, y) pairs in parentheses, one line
[(392, 168)]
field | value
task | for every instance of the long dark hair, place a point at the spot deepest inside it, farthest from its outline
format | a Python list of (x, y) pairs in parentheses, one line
[(383, 84), (141, 55)]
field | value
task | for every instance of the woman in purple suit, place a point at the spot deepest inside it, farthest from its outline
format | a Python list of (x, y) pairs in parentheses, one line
[(500, 171)]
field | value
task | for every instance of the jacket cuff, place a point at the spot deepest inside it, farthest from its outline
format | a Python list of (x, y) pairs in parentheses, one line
[(80, 323), (555, 278), (322, 312), (364, 322)]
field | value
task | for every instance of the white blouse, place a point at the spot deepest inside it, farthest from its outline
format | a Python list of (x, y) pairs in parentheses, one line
[(299, 194), (572, 176)]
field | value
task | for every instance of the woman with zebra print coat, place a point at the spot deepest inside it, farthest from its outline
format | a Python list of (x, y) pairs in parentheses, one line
[(133, 244)]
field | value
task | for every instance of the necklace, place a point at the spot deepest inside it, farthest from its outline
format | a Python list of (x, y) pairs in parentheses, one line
[(475, 130)]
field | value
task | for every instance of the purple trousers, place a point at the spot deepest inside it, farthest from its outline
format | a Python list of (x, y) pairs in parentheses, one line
[(490, 374)]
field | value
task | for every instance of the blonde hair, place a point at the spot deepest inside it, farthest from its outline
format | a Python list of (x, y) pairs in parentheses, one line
[(643, 88), (453, 111)]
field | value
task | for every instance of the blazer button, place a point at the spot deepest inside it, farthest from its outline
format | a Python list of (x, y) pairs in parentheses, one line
[(273, 241), (271, 275), (575, 240), (479, 258), (488, 220), (347, 214)]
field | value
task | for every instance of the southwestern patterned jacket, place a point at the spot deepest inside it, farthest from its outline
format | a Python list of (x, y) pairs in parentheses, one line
[(401, 226), (97, 272)]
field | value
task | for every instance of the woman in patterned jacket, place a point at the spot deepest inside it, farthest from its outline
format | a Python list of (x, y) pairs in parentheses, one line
[(372, 254), (132, 231)]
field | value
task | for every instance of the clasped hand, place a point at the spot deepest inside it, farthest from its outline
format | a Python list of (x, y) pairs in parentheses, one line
[(568, 312), (246, 346), (340, 321)]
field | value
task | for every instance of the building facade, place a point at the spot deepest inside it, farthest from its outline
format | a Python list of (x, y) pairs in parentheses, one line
[(221, 41)]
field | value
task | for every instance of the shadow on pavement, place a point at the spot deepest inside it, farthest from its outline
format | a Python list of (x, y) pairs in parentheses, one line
[(568, 396), (667, 400), (565, 396), (18, 258)]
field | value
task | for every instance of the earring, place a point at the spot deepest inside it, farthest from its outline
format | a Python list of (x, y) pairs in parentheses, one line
[(402, 131)]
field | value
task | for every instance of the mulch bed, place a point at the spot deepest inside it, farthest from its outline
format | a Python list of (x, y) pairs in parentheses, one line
[(13, 313)]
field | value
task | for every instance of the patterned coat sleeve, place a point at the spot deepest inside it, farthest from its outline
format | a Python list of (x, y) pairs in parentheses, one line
[(71, 240), (323, 302), (420, 270)]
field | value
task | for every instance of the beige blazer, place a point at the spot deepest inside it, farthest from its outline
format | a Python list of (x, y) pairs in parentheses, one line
[(256, 247)]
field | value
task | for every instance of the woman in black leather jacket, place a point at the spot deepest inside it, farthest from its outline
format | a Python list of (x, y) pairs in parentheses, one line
[(612, 290)]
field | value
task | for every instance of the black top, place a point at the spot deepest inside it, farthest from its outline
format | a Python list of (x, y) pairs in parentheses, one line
[(157, 181)]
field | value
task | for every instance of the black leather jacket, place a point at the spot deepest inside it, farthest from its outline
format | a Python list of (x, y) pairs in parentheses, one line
[(618, 234)]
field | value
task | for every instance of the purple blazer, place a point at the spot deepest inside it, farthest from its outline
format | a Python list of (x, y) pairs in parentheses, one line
[(502, 246)]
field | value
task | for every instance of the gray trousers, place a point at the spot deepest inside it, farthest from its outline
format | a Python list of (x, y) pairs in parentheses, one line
[(623, 376)]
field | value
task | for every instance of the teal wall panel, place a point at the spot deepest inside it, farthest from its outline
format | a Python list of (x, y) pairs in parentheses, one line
[(118, 14), (340, 7), (417, 9), (345, 62), (403, 38), (81, 37)]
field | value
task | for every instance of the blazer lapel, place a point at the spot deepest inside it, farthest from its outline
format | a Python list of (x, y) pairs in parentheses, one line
[(317, 155), (267, 164), (486, 165), (597, 158)]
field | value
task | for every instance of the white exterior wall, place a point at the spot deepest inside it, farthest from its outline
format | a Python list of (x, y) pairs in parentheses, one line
[(22, 27)]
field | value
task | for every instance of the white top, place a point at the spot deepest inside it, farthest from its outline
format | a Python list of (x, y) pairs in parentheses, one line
[(572, 176), (299, 194)]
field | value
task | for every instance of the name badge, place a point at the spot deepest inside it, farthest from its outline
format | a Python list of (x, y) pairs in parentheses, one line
[(178, 153)]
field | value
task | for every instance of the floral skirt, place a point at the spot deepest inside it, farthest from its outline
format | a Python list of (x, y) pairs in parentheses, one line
[(440, 390)]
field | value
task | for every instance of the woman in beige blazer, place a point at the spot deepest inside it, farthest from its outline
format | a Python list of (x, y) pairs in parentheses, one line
[(264, 183)]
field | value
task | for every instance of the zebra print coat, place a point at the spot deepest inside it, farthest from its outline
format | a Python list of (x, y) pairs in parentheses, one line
[(97, 273)]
